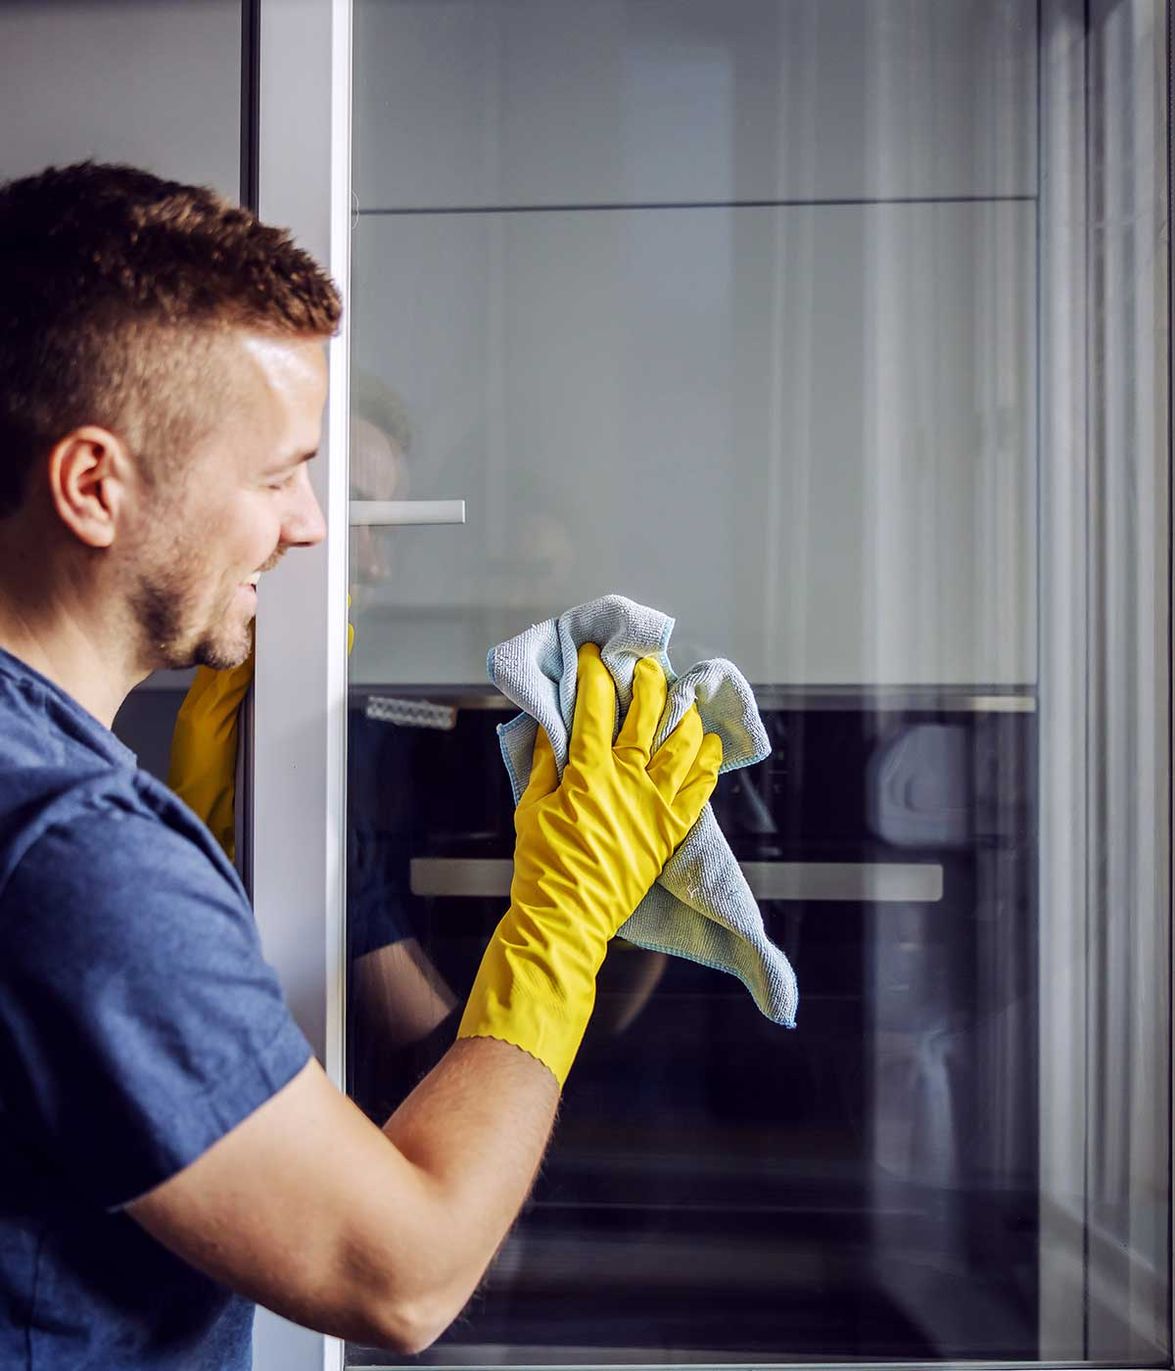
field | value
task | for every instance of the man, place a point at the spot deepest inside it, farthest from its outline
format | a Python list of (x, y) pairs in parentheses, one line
[(169, 1150)]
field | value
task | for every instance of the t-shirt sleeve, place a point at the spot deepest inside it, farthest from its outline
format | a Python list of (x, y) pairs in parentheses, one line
[(139, 1021)]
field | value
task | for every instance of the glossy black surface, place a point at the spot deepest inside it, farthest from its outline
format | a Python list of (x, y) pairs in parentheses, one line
[(720, 1188)]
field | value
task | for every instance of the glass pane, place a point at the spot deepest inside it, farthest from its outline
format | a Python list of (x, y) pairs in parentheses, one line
[(836, 329), (770, 421)]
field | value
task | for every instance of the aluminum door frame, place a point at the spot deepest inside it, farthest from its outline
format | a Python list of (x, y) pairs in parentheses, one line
[(1086, 284), (300, 711)]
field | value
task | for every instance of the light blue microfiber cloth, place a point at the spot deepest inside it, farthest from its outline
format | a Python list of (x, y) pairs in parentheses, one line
[(701, 906)]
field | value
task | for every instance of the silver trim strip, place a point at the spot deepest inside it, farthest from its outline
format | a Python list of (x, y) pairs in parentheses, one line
[(400, 513), (853, 882), (868, 882), (861, 699), (482, 1355)]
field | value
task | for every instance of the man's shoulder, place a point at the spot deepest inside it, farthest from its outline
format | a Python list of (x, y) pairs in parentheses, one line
[(86, 836), (39, 722), (107, 845), (119, 814), (94, 804), (61, 770), (110, 903), (71, 779)]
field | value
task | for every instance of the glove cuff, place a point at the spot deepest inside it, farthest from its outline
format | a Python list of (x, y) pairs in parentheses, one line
[(533, 998)]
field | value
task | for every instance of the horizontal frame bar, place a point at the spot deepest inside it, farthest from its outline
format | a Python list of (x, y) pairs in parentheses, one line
[(841, 882)]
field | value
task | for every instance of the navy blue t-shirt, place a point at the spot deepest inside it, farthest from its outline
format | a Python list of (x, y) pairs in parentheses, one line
[(139, 1023)]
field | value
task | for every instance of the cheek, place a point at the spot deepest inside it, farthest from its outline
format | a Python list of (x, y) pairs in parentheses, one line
[(256, 532)]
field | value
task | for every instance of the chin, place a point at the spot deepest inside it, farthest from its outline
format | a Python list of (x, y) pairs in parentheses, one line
[(221, 654), (223, 650), (221, 659)]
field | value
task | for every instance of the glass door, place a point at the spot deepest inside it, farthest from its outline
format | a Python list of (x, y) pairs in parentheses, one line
[(838, 330)]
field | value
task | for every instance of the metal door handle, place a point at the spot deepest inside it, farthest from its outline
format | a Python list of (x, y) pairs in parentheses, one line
[(384, 513), (851, 882)]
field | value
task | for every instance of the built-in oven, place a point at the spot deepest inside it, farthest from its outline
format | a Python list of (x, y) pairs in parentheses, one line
[(720, 1186)]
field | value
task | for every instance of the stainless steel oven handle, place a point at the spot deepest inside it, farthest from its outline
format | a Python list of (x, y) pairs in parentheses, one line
[(851, 882), (385, 513)]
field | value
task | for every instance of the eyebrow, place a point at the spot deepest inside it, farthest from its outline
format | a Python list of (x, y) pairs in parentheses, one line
[(287, 463)]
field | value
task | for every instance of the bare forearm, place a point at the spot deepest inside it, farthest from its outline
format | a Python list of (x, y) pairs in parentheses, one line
[(306, 1208), (475, 1129)]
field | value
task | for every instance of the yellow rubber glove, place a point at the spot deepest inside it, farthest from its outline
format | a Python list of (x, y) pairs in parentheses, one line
[(587, 849)]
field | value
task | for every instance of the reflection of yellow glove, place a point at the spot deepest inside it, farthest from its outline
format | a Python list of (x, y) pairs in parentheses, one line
[(588, 848), (203, 770), (204, 748)]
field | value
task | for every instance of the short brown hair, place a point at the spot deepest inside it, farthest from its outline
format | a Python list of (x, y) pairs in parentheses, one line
[(114, 285)]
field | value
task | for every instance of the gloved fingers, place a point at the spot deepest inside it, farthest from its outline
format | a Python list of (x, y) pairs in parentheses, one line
[(544, 774), (595, 712), (649, 690), (674, 759), (700, 782)]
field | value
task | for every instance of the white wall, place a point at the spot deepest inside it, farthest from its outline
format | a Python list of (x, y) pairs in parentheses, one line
[(156, 83)]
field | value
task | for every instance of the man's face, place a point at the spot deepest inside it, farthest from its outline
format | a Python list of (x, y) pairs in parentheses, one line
[(243, 500)]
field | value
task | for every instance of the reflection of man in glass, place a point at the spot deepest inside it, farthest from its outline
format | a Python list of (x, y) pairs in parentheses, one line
[(381, 440), (398, 997)]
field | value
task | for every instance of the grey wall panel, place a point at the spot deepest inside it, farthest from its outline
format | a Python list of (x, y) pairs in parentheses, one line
[(509, 102), (145, 724), (153, 82), (156, 83)]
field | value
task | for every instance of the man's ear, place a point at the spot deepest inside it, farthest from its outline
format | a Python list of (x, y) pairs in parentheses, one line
[(90, 471)]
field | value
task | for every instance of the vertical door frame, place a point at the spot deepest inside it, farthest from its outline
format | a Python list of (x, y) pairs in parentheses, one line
[(303, 176), (1079, 1256), (1169, 67), (1062, 620)]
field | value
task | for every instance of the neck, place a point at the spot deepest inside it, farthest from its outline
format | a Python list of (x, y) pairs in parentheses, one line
[(55, 624)]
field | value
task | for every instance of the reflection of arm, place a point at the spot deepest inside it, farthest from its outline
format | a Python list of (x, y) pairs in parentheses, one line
[(400, 997), (626, 984)]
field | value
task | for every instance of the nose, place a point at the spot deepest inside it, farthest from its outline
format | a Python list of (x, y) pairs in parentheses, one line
[(304, 525)]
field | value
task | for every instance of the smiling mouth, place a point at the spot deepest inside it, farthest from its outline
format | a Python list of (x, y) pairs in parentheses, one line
[(269, 565), (251, 582)]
